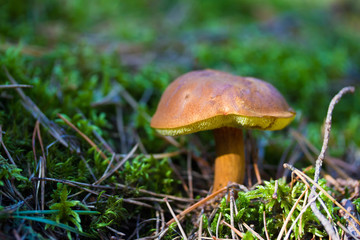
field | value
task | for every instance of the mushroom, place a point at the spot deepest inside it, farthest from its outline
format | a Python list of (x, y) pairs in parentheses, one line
[(214, 100)]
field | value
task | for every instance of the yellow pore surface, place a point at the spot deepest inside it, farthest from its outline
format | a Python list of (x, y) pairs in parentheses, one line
[(261, 123)]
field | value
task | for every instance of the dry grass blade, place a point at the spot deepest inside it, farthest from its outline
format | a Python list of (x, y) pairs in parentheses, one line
[(254, 156), (299, 173), (74, 184), (330, 230), (108, 174), (275, 195), (165, 155), (232, 200), (303, 206), (12, 86), (15, 86), (218, 225), (299, 216), (290, 214), (266, 231), (240, 234), (200, 226), (109, 165), (179, 176), (83, 136), (31, 107), (157, 222), (176, 219), (116, 231), (42, 165), (252, 231), (190, 177), (5, 149), (132, 102), (196, 205), (16, 235), (155, 155), (180, 199)]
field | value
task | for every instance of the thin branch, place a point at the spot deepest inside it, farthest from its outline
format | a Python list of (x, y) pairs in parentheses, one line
[(327, 225), (333, 102)]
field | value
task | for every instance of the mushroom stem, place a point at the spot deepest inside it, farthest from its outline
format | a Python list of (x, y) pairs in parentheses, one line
[(230, 160)]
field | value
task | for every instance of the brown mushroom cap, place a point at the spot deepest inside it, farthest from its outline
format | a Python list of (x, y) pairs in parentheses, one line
[(209, 99)]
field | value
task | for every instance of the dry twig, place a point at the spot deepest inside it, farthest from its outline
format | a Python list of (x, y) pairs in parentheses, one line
[(321, 157), (327, 225)]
